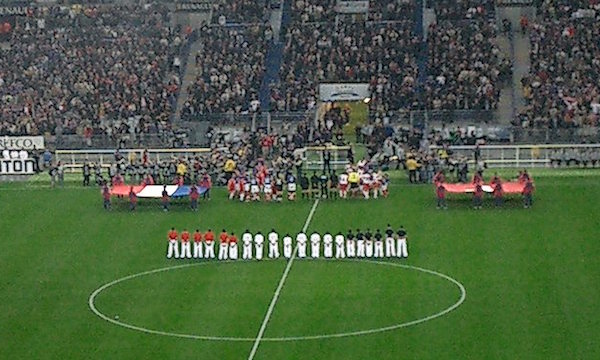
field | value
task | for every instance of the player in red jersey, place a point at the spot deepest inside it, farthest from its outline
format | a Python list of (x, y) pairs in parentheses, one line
[(132, 199), (223, 245), (441, 197), (233, 247), (439, 178), (209, 245), (495, 180), (106, 196), (173, 248), (498, 194), (206, 183), (197, 244), (528, 194), (478, 196), (477, 178), (524, 176), (194, 195), (231, 187), (186, 246)]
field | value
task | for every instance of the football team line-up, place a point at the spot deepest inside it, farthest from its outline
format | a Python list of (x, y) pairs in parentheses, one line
[(359, 244)]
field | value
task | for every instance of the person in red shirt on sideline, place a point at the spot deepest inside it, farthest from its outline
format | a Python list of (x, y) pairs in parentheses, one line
[(524, 176), (194, 198), (495, 180), (439, 178), (477, 178), (178, 181), (223, 245), (106, 196), (207, 184), (233, 247), (132, 199), (148, 180), (186, 246), (478, 196), (165, 199), (118, 180), (498, 194), (173, 248), (441, 197), (209, 245), (197, 244), (528, 194), (231, 187)]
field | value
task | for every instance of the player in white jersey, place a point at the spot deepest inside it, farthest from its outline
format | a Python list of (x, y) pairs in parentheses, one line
[(350, 244), (339, 246), (245, 194), (291, 187), (301, 241), (368, 244), (378, 245), (287, 246), (254, 190), (360, 244), (315, 246), (365, 184), (273, 238), (402, 248), (268, 189), (343, 185), (247, 245), (376, 185), (259, 240), (390, 242), (327, 245)]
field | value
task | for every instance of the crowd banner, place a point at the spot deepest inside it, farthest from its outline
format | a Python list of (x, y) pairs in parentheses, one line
[(344, 92), (21, 142), (194, 6), (514, 3), (352, 7), (14, 10), (17, 166)]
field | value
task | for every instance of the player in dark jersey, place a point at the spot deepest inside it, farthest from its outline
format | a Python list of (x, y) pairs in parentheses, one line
[(333, 185), (304, 184), (314, 185)]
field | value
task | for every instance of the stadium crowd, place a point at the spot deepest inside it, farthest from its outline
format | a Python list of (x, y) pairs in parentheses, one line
[(90, 70), (465, 66), (562, 88), (230, 67)]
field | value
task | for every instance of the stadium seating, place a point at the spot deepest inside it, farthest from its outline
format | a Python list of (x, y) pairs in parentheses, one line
[(562, 88), (230, 67), (104, 69)]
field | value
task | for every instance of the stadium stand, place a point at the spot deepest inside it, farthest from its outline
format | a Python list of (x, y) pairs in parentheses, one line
[(230, 66), (90, 70), (562, 88)]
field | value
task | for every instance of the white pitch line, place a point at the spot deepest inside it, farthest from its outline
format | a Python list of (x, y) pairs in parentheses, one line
[(263, 327)]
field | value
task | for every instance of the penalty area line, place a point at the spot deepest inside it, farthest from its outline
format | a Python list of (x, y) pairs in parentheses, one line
[(263, 326)]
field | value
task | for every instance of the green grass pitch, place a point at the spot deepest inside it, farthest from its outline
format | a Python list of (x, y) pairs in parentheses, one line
[(532, 279)]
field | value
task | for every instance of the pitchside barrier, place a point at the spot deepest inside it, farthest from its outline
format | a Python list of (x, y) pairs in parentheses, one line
[(530, 156), (73, 160), (508, 156)]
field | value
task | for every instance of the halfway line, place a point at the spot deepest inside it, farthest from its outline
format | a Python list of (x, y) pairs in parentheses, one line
[(280, 286)]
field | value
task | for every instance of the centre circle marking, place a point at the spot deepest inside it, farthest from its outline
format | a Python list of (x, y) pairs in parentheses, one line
[(92, 298)]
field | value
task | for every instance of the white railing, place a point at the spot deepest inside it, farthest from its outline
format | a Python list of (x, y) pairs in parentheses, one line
[(539, 155), (73, 160)]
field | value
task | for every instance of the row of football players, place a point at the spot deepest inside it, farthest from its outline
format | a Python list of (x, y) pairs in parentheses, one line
[(389, 244), (350, 183)]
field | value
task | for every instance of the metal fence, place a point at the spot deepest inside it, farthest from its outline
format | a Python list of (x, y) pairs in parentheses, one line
[(422, 118)]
